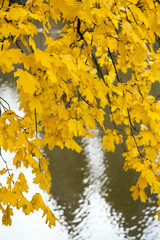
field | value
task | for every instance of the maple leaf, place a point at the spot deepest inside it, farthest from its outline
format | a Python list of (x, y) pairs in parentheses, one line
[(26, 81), (26, 206), (6, 218), (50, 218), (37, 202), (23, 183)]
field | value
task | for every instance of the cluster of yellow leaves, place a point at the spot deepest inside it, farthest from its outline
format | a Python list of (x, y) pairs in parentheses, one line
[(107, 57), (110, 139), (15, 138)]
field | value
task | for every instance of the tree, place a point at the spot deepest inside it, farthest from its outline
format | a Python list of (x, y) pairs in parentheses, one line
[(65, 90)]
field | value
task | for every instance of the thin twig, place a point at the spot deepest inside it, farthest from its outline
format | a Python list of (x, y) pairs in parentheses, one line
[(99, 70), (6, 103), (35, 113), (115, 127), (138, 84), (130, 125), (114, 124), (36, 123), (90, 104), (131, 121), (8, 170), (110, 54), (68, 103)]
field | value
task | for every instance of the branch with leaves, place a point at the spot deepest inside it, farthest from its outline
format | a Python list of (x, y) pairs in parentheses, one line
[(66, 87)]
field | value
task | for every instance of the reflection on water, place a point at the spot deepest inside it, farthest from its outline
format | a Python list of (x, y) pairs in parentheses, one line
[(98, 222), (93, 191), (81, 177), (137, 216)]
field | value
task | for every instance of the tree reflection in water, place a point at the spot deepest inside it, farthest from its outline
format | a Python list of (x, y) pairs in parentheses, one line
[(93, 191)]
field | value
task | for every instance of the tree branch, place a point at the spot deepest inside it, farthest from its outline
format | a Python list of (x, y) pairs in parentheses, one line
[(130, 125), (110, 54)]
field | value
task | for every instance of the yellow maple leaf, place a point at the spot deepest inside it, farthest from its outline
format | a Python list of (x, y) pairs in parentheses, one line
[(26, 206), (6, 218), (37, 202), (23, 183), (26, 81), (43, 179), (142, 195), (135, 192), (50, 217)]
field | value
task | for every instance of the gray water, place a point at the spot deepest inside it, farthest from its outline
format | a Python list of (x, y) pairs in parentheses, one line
[(93, 191), (89, 193)]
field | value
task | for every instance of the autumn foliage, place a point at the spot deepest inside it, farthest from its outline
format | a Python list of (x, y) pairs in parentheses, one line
[(64, 90)]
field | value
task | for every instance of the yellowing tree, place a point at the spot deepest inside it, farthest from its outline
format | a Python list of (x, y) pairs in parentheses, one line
[(65, 89)]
